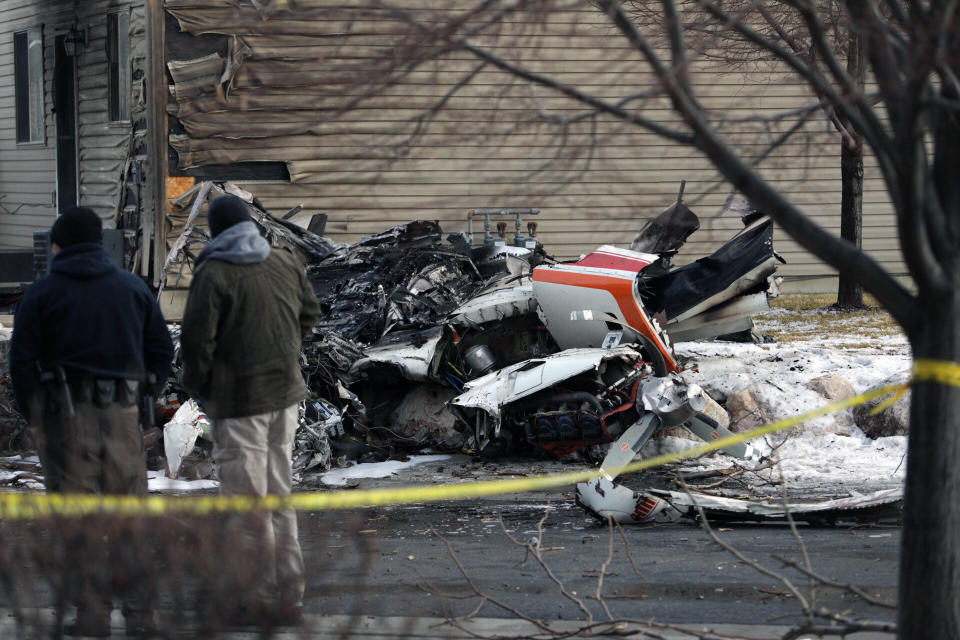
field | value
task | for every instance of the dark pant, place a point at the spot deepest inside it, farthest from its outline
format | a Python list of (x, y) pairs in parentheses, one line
[(97, 450)]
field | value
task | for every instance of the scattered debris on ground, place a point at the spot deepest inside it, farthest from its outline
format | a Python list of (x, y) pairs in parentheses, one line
[(603, 499), (428, 342)]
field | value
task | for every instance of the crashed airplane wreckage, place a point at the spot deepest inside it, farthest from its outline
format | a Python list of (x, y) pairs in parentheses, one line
[(428, 341), (543, 356)]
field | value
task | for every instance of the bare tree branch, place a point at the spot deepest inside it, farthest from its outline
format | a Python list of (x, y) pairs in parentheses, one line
[(678, 48), (808, 571), (864, 120), (534, 550), (603, 569), (600, 105), (814, 238), (796, 536), (626, 547), (815, 27), (466, 576), (823, 630), (785, 581)]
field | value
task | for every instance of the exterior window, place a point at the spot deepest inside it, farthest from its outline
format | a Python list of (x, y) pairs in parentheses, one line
[(28, 76), (118, 57)]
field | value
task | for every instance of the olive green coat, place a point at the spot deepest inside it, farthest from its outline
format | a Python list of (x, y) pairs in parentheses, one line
[(242, 332)]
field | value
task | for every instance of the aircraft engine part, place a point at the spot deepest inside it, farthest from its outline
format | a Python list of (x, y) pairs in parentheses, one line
[(480, 359)]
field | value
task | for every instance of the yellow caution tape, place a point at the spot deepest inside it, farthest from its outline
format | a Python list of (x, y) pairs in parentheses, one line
[(889, 402), (942, 371), (23, 506)]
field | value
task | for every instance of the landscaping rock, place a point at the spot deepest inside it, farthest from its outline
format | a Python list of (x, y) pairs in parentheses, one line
[(832, 387), (718, 413), (745, 411), (891, 421)]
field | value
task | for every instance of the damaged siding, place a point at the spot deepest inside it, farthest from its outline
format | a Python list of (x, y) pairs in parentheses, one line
[(28, 171), (273, 90), (107, 147)]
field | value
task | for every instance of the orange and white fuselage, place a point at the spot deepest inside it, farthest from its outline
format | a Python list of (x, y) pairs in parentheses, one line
[(582, 304)]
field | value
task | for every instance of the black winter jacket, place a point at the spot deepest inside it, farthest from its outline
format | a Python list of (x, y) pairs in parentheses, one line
[(88, 316)]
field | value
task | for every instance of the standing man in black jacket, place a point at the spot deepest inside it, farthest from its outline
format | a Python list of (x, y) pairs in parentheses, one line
[(87, 341)]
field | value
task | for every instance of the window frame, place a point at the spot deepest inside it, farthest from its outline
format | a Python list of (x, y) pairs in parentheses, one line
[(29, 88), (117, 46)]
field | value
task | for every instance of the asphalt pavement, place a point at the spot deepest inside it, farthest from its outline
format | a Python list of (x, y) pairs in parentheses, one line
[(405, 571), (396, 561)]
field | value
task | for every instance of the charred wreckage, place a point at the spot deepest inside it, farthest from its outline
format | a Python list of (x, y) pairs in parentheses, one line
[(428, 341)]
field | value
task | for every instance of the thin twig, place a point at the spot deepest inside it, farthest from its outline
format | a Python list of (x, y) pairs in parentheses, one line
[(626, 547), (534, 550), (866, 597), (705, 524), (803, 548), (603, 569), (494, 601)]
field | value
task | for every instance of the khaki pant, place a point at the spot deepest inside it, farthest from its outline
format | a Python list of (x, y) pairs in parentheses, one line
[(97, 450), (253, 458)]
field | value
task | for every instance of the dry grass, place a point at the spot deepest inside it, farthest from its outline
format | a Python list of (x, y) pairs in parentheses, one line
[(812, 317), (803, 301), (814, 301)]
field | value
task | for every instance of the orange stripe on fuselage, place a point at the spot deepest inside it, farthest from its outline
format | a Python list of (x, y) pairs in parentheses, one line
[(622, 291)]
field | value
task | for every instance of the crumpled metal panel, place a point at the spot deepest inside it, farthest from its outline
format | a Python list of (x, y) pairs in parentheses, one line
[(517, 381), (411, 353), (508, 298)]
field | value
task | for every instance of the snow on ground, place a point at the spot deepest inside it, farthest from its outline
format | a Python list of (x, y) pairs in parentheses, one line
[(20, 458), (823, 458), (20, 479), (23, 472), (340, 477), (157, 481)]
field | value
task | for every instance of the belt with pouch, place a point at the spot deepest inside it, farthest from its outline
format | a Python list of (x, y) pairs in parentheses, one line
[(105, 391)]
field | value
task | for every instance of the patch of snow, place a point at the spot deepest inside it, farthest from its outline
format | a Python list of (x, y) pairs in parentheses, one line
[(817, 458), (339, 477), (20, 458), (811, 462), (158, 481)]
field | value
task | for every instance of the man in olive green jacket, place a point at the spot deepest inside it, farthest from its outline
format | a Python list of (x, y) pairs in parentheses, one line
[(248, 309)]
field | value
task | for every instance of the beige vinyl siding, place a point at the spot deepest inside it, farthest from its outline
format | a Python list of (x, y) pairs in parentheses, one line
[(106, 148), (28, 171), (495, 143)]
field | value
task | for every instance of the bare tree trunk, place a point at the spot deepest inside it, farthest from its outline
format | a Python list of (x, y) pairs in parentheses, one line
[(850, 292), (929, 591)]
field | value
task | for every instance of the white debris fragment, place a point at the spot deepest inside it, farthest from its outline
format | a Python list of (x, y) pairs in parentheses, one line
[(157, 481), (181, 433), (339, 477)]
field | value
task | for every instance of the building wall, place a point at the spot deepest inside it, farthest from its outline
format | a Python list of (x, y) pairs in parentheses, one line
[(274, 88), (28, 172), (105, 149)]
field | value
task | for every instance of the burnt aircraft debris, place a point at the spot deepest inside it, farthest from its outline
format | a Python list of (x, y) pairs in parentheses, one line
[(603, 499), (430, 341)]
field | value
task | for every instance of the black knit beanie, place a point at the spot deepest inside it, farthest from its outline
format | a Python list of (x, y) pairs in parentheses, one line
[(76, 225), (226, 211)]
